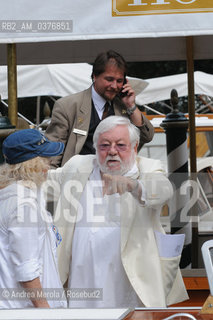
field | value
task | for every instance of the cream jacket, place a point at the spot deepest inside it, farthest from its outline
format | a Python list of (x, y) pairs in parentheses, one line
[(156, 280)]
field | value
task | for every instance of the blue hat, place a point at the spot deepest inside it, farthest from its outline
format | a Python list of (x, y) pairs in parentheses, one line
[(27, 144)]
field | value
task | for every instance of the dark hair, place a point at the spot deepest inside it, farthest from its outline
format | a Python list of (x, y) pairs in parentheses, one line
[(104, 58)]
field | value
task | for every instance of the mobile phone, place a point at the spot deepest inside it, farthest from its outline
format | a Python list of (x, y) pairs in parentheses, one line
[(123, 94)]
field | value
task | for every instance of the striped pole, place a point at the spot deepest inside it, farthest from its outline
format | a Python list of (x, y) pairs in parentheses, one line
[(175, 126)]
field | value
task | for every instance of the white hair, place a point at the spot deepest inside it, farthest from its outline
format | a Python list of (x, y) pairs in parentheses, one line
[(31, 170), (112, 122)]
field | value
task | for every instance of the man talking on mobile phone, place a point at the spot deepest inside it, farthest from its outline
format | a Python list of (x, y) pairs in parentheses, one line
[(75, 117)]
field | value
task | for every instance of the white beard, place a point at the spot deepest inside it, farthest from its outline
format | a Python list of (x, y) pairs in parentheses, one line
[(124, 166)]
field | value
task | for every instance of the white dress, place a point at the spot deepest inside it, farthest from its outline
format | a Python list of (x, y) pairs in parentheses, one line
[(27, 248)]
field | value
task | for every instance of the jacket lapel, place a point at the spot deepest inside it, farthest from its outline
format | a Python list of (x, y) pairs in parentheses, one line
[(82, 123), (119, 107), (127, 217)]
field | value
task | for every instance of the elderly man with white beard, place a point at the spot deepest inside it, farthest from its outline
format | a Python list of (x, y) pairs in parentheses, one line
[(108, 214)]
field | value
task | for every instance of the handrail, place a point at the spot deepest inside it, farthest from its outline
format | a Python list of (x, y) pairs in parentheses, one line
[(19, 114)]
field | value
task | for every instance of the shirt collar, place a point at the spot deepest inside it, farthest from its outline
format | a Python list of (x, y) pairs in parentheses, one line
[(133, 171), (98, 100)]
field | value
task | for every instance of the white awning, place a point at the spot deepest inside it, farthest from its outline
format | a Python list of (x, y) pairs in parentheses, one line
[(142, 30), (64, 79), (55, 80), (160, 88)]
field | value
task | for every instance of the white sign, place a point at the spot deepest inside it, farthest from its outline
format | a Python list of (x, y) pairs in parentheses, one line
[(36, 21)]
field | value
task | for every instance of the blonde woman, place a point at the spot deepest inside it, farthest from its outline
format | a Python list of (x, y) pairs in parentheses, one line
[(28, 263)]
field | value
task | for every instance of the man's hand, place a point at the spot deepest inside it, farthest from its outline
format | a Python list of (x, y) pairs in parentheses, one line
[(129, 99), (118, 184)]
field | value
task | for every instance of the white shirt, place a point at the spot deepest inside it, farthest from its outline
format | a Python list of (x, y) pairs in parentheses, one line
[(27, 245), (99, 102), (96, 260)]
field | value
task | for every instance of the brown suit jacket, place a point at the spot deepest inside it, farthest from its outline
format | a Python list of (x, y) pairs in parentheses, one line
[(73, 113)]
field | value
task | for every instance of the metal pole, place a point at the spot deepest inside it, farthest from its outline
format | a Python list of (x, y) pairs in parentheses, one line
[(191, 103), (12, 84), (38, 106), (192, 140), (175, 125)]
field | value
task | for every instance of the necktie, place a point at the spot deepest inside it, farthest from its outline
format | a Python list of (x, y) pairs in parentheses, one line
[(106, 109)]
